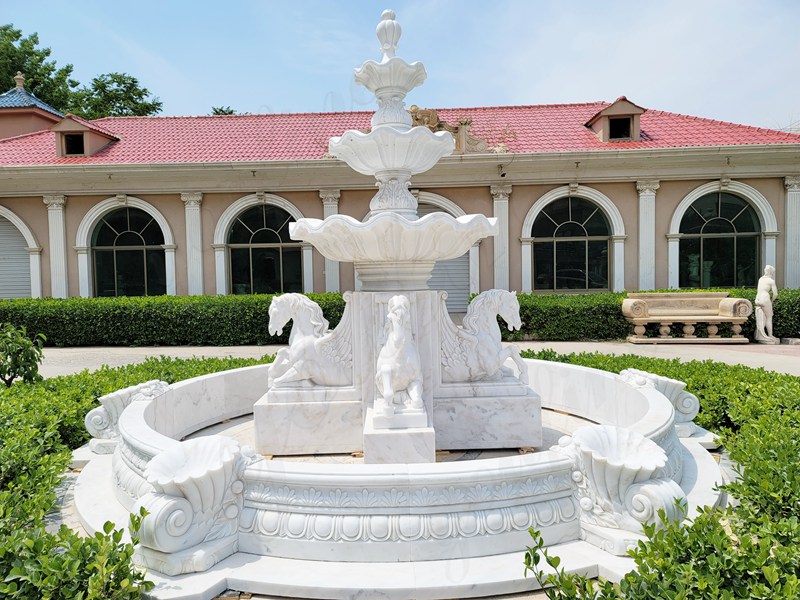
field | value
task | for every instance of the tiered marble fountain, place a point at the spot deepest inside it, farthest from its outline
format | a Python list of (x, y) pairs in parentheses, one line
[(398, 381)]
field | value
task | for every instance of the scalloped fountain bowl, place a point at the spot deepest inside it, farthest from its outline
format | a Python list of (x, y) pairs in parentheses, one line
[(390, 251)]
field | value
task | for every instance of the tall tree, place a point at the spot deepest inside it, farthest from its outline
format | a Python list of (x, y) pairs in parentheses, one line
[(51, 84), (111, 94), (114, 95), (222, 110)]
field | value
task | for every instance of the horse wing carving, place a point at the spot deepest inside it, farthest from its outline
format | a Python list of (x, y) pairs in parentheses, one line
[(337, 345)]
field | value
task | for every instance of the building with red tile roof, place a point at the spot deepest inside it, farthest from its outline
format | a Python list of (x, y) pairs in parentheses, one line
[(590, 196)]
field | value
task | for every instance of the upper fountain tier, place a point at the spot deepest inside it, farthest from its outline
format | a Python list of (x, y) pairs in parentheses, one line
[(394, 150), (392, 249)]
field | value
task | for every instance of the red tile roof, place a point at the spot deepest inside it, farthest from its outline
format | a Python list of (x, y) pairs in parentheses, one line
[(241, 138), (92, 125)]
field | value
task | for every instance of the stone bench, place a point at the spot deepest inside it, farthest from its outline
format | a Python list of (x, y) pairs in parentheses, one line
[(688, 309)]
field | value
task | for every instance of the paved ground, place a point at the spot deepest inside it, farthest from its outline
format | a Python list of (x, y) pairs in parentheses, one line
[(783, 358)]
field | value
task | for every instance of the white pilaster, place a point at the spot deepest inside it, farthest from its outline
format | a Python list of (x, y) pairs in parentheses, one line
[(619, 263), (500, 194), (674, 241), (647, 233), (770, 248), (58, 244), (194, 241), (308, 268), (169, 260), (791, 269), (527, 266), (220, 270), (330, 206), (84, 287), (35, 257)]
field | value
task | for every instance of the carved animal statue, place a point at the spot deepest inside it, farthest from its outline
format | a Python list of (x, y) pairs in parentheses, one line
[(399, 373), (474, 352), (314, 355)]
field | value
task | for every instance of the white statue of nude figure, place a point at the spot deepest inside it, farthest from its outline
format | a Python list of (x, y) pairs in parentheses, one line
[(399, 372), (766, 295)]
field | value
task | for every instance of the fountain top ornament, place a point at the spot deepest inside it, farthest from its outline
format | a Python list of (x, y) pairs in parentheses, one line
[(386, 246)]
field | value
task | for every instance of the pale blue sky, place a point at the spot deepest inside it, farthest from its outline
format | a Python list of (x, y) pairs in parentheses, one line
[(734, 60)]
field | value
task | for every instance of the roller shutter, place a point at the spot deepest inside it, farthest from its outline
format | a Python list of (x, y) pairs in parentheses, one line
[(15, 267), (451, 276)]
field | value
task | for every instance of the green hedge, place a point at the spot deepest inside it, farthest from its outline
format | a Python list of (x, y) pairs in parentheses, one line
[(155, 320), (242, 320), (573, 317)]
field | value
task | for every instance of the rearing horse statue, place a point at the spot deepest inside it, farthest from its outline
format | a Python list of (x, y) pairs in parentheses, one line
[(474, 352), (315, 355)]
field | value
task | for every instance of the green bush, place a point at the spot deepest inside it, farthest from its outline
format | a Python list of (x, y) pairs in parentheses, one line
[(19, 355), (567, 317), (241, 320), (40, 423), (155, 320), (751, 551)]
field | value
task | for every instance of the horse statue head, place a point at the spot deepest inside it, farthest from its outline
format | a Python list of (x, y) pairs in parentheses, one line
[(491, 303), (306, 314)]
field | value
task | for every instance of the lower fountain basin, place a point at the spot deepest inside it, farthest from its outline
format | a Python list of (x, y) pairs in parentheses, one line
[(380, 514)]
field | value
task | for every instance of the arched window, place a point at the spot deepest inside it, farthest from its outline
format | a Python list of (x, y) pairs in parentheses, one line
[(128, 255), (720, 241), (571, 238), (263, 258)]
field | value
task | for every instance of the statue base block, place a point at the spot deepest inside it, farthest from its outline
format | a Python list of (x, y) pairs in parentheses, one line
[(409, 445), (305, 421), (485, 422)]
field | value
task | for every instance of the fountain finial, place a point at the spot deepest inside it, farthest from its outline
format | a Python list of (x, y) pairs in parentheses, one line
[(388, 32)]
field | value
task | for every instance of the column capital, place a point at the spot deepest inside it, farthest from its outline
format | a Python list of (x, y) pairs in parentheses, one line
[(191, 199), (54, 201), (501, 192), (330, 196), (648, 185), (792, 183)]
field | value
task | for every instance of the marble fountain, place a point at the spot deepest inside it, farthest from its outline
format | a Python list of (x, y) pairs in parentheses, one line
[(254, 478)]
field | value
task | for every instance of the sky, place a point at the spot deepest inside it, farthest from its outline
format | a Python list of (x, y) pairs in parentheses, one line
[(732, 60)]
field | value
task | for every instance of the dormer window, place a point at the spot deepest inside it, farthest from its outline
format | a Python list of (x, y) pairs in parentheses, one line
[(619, 128), (73, 144), (618, 122), (79, 137)]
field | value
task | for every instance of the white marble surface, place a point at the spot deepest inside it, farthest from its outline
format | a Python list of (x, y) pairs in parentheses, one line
[(297, 427), (414, 444), (488, 422)]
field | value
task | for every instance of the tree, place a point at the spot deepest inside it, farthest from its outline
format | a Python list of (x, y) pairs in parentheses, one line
[(114, 95), (111, 94), (222, 110), (50, 83)]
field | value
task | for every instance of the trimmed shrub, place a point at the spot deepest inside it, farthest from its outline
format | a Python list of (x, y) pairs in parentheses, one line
[(155, 320), (567, 317)]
